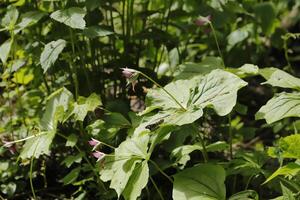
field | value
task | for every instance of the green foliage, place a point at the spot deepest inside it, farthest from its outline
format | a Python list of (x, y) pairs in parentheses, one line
[(180, 123)]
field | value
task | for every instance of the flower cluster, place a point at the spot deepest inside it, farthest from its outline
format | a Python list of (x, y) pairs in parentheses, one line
[(97, 154)]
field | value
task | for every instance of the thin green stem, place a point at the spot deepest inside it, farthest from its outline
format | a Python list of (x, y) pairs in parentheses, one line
[(30, 178), (73, 69), (24, 139), (30, 172), (216, 41), (161, 171), (204, 151), (230, 136), (166, 91), (156, 188)]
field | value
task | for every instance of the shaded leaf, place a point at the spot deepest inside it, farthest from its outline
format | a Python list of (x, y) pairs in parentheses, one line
[(72, 176), (97, 31), (189, 70), (245, 195), (238, 36)]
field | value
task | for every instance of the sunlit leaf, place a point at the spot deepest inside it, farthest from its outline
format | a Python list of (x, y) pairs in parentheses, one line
[(204, 181), (290, 170), (281, 106), (28, 19), (126, 160), (4, 50), (279, 78), (73, 17), (51, 53)]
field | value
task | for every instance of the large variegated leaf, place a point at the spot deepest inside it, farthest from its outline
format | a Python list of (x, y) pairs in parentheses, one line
[(51, 53), (73, 17), (217, 90), (279, 78), (205, 181), (129, 157), (280, 106)]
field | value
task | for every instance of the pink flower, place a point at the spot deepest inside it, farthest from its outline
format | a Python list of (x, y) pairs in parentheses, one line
[(99, 155), (201, 21)]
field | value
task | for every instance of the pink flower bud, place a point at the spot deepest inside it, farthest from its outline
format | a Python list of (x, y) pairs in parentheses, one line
[(128, 73), (203, 20), (93, 142), (99, 155)]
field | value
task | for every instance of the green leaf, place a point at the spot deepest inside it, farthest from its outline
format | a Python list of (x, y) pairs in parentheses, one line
[(279, 78), (204, 181), (245, 195), (218, 89), (189, 70), (137, 181), (37, 146), (51, 53), (56, 105), (73, 17), (72, 176), (71, 140), (288, 147), (69, 160), (97, 31), (23, 76), (287, 194), (127, 156), (83, 105), (245, 70), (182, 153), (290, 170), (4, 50), (10, 18), (28, 19), (238, 36), (266, 14), (281, 106)]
